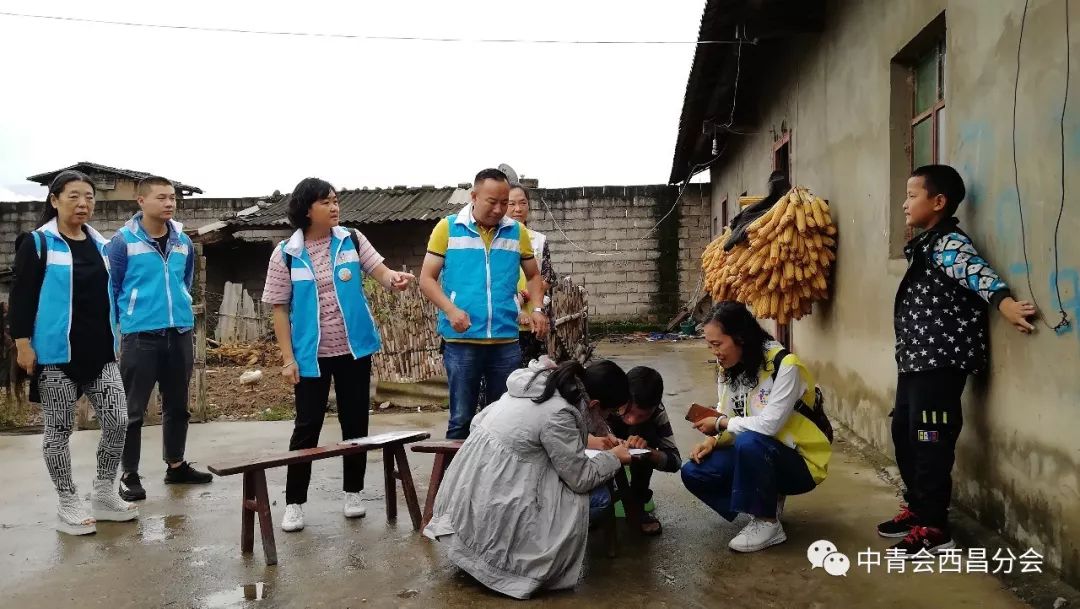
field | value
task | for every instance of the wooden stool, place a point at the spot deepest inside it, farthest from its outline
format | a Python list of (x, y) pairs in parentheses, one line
[(444, 451)]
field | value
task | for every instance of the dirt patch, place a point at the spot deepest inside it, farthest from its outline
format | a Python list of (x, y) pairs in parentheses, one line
[(271, 399)]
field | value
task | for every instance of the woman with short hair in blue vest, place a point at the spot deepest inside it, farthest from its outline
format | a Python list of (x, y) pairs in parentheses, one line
[(326, 332), (63, 328)]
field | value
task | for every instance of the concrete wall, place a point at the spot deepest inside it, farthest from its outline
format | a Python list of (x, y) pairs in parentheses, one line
[(605, 243), (1018, 466)]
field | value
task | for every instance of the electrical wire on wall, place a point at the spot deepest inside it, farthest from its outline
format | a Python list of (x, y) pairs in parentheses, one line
[(1064, 322)]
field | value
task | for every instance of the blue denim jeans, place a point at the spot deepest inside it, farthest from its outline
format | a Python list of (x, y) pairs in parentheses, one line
[(465, 365), (599, 500), (748, 477)]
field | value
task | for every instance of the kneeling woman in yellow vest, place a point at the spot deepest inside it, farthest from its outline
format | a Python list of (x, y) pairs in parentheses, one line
[(765, 447)]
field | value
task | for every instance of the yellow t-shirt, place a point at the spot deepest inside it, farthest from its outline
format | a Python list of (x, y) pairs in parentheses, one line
[(439, 242)]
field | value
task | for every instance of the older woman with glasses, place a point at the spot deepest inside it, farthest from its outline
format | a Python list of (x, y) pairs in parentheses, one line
[(531, 347)]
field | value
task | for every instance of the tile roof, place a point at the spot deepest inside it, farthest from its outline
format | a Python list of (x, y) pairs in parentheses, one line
[(371, 206), (88, 167)]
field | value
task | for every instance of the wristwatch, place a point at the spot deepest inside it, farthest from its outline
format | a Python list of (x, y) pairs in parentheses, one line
[(537, 310)]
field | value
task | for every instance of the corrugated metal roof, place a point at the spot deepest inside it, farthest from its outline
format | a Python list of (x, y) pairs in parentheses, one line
[(372, 206)]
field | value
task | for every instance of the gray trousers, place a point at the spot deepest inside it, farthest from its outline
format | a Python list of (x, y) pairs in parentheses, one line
[(166, 359)]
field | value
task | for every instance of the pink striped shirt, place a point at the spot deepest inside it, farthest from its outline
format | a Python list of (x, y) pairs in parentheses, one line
[(278, 290)]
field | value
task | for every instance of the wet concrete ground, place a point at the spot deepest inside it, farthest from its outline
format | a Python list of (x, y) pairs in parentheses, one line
[(184, 550)]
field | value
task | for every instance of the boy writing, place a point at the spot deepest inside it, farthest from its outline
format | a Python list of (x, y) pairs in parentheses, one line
[(643, 423), (940, 319), (153, 263)]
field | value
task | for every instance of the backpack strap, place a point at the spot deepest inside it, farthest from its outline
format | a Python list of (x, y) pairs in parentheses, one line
[(355, 236), (43, 254), (815, 412)]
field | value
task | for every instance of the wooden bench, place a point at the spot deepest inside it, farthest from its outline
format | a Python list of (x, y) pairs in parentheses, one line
[(444, 451), (256, 499)]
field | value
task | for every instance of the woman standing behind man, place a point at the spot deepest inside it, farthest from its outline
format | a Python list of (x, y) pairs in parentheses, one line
[(531, 347), (325, 331), (63, 325)]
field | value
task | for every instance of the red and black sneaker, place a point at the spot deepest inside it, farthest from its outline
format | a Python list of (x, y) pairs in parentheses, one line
[(924, 538), (900, 525)]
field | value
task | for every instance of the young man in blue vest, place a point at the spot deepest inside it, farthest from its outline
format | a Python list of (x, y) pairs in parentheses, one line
[(153, 263), (470, 273)]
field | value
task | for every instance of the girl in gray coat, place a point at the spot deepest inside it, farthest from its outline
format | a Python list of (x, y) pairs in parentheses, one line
[(513, 509)]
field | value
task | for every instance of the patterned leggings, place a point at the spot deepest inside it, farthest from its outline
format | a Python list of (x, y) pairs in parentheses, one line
[(58, 396)]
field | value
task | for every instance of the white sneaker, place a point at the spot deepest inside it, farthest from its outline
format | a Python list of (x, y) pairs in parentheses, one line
[(353, 507), (294, 518), (72, 516), (758, 535), (108, 505)]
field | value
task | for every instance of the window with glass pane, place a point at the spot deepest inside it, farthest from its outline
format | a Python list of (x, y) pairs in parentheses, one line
[(928, 110)]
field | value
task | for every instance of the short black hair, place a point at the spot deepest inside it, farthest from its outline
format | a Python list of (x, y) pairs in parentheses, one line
[(943, 180), (306, 193), (490, 174), (148, 182), (646, 387), (524, 189)]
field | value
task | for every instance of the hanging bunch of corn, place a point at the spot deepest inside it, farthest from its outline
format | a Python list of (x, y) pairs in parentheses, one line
[(782, 266)]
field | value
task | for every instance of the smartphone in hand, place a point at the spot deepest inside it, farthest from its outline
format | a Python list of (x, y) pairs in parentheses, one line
[(698, 412)]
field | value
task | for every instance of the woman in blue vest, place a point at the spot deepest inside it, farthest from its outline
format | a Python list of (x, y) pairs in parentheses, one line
[(326, 332), (63, 326)]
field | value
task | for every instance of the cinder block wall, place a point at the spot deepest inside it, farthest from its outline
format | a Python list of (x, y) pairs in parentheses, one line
[(607, 238), (108, 217)]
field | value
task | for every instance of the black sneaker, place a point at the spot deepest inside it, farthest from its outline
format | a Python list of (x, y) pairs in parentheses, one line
[(900, 525), (131, 487), (919, 539), (185, 474)]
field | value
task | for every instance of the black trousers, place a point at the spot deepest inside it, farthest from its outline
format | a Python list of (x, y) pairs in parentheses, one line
[(926, 423), (640, 477), (164, 358), (352, 382)]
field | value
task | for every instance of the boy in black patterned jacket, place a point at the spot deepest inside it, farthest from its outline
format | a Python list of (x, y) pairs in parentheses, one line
[(940, 319)]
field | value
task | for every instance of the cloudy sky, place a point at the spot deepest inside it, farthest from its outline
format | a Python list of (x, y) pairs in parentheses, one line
[(245, 114)]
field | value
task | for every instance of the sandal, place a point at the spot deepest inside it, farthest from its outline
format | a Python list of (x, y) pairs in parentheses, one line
[(647, 522)]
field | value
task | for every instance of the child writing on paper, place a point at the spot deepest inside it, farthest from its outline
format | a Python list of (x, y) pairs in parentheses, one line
[(644, 424)]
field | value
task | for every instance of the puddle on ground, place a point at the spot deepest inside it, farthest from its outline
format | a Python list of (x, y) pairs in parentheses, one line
[(237, 596), (160, 528)]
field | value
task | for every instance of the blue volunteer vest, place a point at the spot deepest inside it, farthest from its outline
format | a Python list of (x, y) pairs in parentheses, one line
[(348, 290), (52, 325), (482, 282), (154, 295)]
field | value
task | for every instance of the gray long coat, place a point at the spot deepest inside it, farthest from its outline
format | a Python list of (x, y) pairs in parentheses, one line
[(513, 509)]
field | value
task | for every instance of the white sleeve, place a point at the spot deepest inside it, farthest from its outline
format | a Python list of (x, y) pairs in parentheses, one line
[(786, 391)]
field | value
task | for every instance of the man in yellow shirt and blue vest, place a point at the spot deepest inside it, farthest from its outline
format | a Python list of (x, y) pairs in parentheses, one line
[(470, 273)]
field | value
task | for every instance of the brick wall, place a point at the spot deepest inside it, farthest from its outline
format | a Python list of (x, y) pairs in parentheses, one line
[(610, 242), (402, 243), (634, 270), (108, 217)]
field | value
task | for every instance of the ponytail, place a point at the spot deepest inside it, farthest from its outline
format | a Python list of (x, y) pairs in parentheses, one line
[(603, 381)]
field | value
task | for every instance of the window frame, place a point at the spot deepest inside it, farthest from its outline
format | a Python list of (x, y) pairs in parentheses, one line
[(932, 114)]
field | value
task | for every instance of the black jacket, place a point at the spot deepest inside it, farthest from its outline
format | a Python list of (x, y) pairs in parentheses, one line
[(940, 312)]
